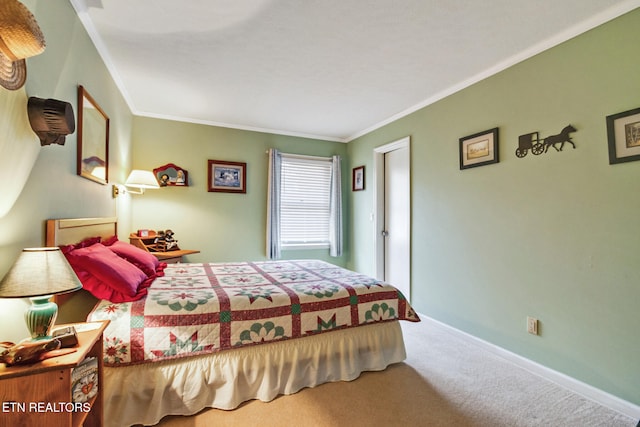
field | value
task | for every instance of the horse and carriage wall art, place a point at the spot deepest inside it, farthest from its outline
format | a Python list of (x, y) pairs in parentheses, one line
[(482, 148), (623, 134), (532, 141)]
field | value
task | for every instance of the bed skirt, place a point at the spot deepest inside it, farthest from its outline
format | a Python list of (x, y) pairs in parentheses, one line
[(143, 394)]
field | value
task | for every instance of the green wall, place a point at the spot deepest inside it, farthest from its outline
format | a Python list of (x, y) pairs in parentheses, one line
[(223, 226), (52, 189), (554, 236)]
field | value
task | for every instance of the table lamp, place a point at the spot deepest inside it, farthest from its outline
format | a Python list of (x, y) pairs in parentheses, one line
[(37, 274)]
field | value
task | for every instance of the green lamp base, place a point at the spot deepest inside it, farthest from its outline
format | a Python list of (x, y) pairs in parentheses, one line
[(40, 317)]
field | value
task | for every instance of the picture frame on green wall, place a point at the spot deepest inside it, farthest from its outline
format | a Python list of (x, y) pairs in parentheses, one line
[(227, 177), (93, 139), (623, 133), (479, 149), (357, 179)]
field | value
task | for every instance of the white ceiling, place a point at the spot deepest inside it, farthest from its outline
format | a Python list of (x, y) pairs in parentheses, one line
[(329, 69)]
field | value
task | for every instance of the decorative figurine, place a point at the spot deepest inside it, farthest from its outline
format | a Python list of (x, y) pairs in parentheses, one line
[(170, 242), (165, 241), (29, 351)]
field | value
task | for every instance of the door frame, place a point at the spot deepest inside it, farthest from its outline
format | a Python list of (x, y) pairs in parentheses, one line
[(378, 202)]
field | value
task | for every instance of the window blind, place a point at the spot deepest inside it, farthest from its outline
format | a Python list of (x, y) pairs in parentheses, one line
[(305, 201)]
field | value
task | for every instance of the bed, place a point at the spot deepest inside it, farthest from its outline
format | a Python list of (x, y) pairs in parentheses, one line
[(200, 335)]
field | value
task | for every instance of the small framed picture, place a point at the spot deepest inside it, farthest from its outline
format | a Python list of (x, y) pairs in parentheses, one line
[(143, 233), (358, 179), (227, 177), (623, 133), (479, 149)]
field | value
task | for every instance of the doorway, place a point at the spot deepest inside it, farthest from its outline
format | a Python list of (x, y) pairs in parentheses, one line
[(392, 226)]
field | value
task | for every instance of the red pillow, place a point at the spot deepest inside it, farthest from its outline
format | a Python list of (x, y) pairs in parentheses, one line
[(83, 244), (108, 268), (136, 256), (101, 290)]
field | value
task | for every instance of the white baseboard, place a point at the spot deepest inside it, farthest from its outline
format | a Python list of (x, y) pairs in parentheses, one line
[(572, 384)]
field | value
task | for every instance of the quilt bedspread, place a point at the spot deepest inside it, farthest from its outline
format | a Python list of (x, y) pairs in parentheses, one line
[(207, 307)]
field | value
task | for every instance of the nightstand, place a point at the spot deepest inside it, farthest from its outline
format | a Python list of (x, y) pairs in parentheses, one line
[(172, 257), (147, 244), (40, 393)]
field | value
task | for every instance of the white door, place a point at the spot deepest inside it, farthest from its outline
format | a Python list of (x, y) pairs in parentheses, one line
[(392, 219), (397, 205)]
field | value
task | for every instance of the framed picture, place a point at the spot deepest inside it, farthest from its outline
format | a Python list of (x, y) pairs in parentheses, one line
[(93, 139), (623, 132), (171, 175), (357, 183), (227, 177), (479, 149)]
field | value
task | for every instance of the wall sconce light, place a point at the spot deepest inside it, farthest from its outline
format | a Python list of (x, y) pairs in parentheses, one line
[(51, 120), (20, 38), (139, 180)]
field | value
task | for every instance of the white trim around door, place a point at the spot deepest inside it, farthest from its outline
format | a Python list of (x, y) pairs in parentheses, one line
[(379, 201)]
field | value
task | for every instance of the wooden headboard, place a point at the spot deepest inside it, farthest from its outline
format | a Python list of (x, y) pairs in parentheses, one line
[(75, 307), (70, 231)]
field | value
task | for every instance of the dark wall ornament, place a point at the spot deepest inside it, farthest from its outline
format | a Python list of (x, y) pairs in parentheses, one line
[(51, 120), (531, 141)]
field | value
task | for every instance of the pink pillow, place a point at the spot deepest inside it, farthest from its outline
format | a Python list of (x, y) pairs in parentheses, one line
[(108, 268), (101, 290), (136, 256), (83, 244)]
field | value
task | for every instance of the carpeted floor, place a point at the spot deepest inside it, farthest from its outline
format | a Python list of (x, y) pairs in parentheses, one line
[(445, 381)]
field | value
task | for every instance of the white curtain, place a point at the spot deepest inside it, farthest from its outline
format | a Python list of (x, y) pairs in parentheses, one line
[(273, 205), (335, 221)]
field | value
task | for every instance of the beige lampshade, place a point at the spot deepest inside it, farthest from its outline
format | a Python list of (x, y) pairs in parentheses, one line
[(37, 272), (142, 179)]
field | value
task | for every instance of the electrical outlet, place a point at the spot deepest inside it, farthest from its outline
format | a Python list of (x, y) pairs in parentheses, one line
[(532, 325)]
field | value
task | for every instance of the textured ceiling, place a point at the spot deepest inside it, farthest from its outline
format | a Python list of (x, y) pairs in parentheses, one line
[(329, 69)]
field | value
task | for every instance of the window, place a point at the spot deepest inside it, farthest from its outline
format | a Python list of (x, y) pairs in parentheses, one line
[(305, 208), (304, 203)]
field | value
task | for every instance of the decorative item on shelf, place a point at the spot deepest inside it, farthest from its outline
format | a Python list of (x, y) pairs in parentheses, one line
[(137, 182), (623, 134), (93, 139), (165, 242), (20, 38), (37, 274), (51, 120), (531, 141), (171, 175), (227, 177), (156, 244), (479, 149)]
